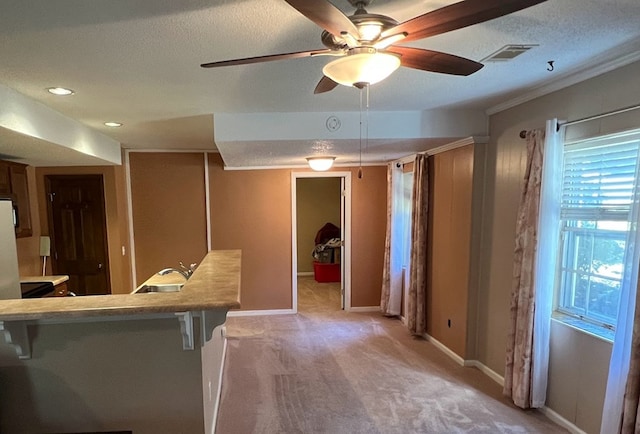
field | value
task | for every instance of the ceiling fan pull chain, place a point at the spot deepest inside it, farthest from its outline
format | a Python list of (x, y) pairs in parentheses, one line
[(360, 168), (366, 141)]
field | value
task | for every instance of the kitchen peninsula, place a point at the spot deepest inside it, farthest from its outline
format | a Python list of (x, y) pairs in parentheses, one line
[(142, 363)]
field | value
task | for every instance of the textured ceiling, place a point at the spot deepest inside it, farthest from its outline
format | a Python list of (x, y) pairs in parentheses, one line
[(137, 62)]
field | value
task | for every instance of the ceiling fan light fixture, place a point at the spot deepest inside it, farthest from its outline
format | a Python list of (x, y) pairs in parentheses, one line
[(366, 65), (370, 31), (321, 163)]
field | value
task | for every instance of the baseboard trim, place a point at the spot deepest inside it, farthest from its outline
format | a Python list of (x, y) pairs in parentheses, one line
[(549, 413), (485, 370), (442, 347), (234, 313), (305, 273), (364, 309), (564, 423)]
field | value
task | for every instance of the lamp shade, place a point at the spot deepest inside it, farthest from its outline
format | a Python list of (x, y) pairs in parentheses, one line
[(320, 164), (365, 66)]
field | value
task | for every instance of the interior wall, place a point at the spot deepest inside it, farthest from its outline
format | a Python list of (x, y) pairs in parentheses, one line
[(251, 210), (318, 203), (116, 218), (103, 376), (168, 208), (451, 184), (505, 171), (368, 228)]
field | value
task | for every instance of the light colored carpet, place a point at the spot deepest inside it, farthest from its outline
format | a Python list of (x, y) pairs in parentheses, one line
[(327, 371)]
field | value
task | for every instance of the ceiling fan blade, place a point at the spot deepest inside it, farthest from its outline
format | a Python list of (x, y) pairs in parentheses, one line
[(269, 58), (325, 85), (457, 16), (435, 61), (326, 16)]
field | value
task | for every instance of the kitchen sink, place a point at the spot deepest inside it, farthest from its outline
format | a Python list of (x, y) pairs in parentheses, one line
[(159, 287)]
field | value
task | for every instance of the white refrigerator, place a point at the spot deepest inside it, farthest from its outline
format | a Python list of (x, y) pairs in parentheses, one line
[(9, 274)]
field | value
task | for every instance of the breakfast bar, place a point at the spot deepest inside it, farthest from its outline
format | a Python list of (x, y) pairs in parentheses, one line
[(141, 362)]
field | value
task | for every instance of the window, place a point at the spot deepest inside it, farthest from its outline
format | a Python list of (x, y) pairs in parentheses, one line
[(596, 216)]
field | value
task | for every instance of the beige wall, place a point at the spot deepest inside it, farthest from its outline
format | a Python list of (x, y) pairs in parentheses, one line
[(368, 226), (450, 240), (505, 170), (251, 210), (169, 211), (103, 376), (318, 203)]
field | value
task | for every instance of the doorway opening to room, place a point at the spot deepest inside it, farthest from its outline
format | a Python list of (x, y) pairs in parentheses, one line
[(321, 239)]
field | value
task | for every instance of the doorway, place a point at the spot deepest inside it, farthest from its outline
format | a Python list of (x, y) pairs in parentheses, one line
[(340, 255), (78, 231)]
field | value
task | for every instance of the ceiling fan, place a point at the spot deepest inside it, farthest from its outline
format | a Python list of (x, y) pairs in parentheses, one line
[(366, 44)]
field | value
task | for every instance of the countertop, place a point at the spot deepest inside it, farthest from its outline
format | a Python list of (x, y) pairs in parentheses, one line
[(56, 280), (214, 285)]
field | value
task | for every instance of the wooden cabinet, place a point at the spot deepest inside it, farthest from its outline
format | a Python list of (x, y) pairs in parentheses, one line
[(13, 182), (61, 290), (5, 183)]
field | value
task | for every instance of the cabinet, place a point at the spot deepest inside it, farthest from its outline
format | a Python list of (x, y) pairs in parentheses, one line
[(13, 182)]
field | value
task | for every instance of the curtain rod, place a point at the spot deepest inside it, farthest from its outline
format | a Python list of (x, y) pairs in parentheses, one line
[(602, 115), (523, 133)]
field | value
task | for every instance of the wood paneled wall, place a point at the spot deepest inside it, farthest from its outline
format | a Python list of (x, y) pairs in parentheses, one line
[(451, 187)]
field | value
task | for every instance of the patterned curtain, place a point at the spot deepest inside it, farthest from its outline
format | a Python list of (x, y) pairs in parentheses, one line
[(519, 377), (386, 301), (416, 315)]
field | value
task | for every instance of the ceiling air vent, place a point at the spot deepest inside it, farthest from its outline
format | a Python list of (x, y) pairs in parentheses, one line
[(507, 52)]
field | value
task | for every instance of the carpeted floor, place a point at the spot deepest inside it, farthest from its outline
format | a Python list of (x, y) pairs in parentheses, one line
[(327, 371)]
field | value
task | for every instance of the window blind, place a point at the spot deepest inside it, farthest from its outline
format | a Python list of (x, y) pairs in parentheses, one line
[(598, 179)]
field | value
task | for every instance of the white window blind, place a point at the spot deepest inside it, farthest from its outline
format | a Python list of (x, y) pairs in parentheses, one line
[(599, 177)]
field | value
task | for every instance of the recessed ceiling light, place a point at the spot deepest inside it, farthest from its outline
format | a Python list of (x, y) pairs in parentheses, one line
[(113, 124), (60, 91)]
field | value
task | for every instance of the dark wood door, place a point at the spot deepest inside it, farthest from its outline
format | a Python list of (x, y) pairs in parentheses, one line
[(77, 226)]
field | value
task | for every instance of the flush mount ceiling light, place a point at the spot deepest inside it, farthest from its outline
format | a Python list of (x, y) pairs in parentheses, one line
[(320, 164), (362, 66), (60, 91), (113, 124)]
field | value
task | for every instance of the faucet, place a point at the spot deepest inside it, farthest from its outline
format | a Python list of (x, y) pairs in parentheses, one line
[(184, 270)]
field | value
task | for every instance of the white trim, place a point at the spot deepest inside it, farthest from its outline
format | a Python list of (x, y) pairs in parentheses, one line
[(564, 423), (207, 199), (305, 273), (444, 148), (306, 166), (485, 370), (216, 407), (618, 58), (132, 244), (238, 313), (442, 347), (358, 309), (170, 151), (346, 260)]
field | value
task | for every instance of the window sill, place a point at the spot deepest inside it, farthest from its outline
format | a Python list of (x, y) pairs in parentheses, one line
[(583, 326)]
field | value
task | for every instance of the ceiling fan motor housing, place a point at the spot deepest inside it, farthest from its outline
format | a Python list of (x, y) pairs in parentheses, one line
[(361, 20)]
